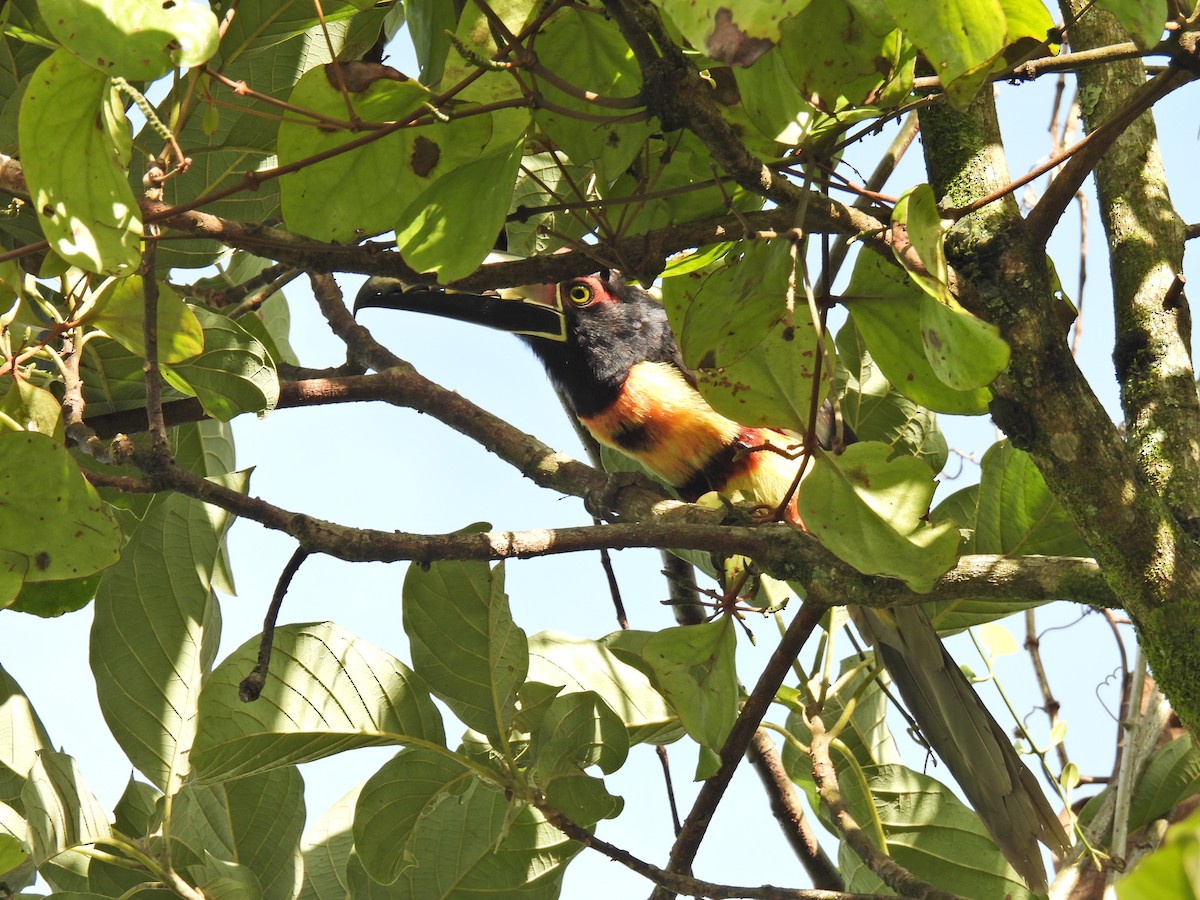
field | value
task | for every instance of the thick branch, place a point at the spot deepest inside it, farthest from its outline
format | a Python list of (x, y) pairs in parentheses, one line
[(1145, 240), (1046, 406)]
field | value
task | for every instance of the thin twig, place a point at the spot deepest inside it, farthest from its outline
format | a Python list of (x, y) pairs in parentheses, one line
[(252, 685)]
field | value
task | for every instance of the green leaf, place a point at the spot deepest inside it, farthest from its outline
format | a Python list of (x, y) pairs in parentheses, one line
[(79, 186), (48, 599), (61, 811), (693, 667), (887, 309), (140, 41), (339, 198), (965, 352), (543, 179), (326, 848), (1010, 512), (428, 21), (870, 511), (838, 57), (22, 735), (875, 411), (452, 225), (327, 691), (1143, 19), (731, 35), (31, 407), (1172, 872), (1171, 775), (579, 730), (254, 822), (924, 257), (221, 879), (12, 855), (578, 664), (120, 311), (589, 51), (155, 634), (464, 642), (482, 843), (960, 40), (392, 802), (53, 525), (137, 811), (773, 102), (930, 832), (719, 317), (234, 373)]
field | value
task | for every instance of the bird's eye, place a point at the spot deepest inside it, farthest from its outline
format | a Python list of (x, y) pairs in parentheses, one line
[(579, 294)]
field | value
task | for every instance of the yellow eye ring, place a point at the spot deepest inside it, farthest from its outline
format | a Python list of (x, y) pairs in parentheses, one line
[(579, 294)]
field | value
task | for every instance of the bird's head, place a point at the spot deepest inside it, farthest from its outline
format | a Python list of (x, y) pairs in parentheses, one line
[(587, 331)]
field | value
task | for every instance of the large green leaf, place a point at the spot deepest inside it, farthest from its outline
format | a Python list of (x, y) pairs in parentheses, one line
[(888, 310), (464, 641), (719, 317), (837, 57), (930, 832), (870, 510), (22, 735), (961, 41), (693, 667), (578, 664), (254, 822), (874, 410), (1171, 775), (120, 311), (155, 634), (452, 225), (340, 198), (327, 691), (1143, 19), (1010, 512), (268, 44), (481, 842), (139, 41), (53, 525), (589, 51), (233, 374), (79, 186), (392, 802), (61, 810)]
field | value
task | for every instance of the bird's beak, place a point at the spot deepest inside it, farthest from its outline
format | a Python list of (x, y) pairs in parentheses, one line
[(532, 310)]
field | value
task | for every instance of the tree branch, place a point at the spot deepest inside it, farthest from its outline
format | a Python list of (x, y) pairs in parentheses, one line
[(687, 842), (676, 883), (789, 813)]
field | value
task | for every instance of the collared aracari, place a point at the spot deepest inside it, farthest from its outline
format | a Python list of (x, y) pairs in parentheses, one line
[(608, 347)]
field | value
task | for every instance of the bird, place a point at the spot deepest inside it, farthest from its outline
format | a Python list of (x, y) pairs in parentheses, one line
[(607, 345)]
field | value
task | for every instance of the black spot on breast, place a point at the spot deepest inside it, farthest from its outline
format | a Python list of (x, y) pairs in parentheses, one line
[(632, 438)]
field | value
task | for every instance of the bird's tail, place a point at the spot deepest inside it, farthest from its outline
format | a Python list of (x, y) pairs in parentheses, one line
[(974, 747)]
